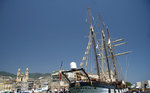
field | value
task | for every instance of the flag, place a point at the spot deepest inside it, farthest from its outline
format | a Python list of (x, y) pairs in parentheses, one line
[(103, 35), (60, 76), (87, 52), (97, 45), (109, 41), (84, 58), (81, 64)]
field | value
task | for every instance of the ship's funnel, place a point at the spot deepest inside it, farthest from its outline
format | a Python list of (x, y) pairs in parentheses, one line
[(73, 65)]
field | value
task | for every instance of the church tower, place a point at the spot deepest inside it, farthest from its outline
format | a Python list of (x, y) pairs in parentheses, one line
[(18, 75), (18, 72), (27, 74), (22, 77)]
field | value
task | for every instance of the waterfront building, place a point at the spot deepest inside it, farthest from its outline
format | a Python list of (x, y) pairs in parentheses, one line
[(22, 77), (22, 80), (138, 84), (58, 80), (143, 84), (7, 83), (41, 83)]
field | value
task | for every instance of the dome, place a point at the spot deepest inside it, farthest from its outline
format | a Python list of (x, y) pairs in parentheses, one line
[(73, 65)]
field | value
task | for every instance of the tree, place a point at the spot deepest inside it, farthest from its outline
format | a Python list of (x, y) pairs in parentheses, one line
[(129, 84)]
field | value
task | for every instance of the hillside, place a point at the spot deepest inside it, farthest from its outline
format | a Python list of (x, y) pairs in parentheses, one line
[(3, 73), (37, 75), (31, 75)]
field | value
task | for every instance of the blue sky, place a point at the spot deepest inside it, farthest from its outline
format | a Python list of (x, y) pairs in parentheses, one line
[(40, 34)]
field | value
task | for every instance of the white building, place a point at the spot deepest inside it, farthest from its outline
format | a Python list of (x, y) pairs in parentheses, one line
[(138, 84), (143, 84), (58, 80)]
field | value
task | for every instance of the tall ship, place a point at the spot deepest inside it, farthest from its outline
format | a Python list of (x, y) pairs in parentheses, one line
[(106, 77)]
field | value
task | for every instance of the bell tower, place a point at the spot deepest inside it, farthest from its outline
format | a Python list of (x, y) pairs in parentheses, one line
[(18, 75), (27, 74), (22, 77), (18, 72)]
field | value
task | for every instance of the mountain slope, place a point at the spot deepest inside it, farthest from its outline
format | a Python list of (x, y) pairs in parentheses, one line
[(37, 75), (31, 75), (3, 73)]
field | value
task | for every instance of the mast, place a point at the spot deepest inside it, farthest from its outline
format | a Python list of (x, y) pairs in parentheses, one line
[(112, 55), (94, 46), (105, 48)]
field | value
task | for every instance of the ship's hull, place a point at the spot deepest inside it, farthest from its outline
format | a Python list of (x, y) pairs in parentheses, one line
[(96, 87)]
